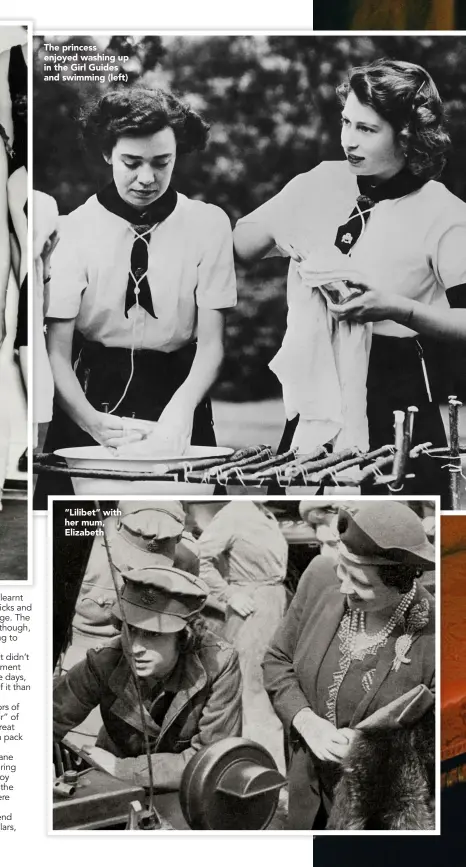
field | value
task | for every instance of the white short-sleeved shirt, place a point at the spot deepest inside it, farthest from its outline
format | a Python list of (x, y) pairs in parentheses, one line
[(414, 246), (190, 266)]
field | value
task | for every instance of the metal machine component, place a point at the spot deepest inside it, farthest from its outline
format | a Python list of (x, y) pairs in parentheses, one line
[(71, 778), (98, 801), (62, 789), (230, 786)]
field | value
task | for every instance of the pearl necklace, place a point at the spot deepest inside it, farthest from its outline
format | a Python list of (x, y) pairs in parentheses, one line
[(356, 644)]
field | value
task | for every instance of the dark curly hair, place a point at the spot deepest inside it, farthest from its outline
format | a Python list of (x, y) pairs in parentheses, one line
[(192, 637), (405, 96), (139, 111), (399, 575)]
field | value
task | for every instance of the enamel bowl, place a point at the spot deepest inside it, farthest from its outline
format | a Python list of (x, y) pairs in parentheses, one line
[(100, 458)]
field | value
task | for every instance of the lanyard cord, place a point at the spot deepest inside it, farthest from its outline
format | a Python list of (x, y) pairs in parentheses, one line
[(361, 215), (125, 632), (139, 236)]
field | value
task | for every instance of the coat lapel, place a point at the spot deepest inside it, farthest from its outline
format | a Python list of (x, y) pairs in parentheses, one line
[(188, 678), (315, 641), (186, 683), (126, 704), (382, 670), (384, 667)]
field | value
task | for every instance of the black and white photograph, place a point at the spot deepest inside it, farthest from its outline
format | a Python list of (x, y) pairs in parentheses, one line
[(255, 270), (14, 300), (244, 664)]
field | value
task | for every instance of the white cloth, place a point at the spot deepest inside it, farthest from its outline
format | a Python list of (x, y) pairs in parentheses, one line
[(45, 224), (413, 246), (190, 266), (322, 364)]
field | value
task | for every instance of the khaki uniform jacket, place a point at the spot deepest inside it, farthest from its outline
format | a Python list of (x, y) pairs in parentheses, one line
[(206, 708)]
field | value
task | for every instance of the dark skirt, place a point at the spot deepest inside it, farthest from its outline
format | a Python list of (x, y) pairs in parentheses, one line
[(310, 786), (395, 381), (103, 373)]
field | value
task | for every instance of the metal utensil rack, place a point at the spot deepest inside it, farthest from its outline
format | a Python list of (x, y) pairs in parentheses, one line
[(385, 468)]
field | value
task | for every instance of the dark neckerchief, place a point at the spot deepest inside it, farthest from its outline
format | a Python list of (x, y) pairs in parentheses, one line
[(158, 211), (142, 222), (371, 192)]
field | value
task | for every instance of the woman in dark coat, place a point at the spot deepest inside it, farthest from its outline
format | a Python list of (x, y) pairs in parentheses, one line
[(338, 688)]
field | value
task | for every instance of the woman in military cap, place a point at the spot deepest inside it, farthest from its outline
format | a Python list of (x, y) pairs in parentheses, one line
[(142, 534), (351, 667), (189, 680)]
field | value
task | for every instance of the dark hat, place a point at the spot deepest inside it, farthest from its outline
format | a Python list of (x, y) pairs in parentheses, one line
[(160, 598), (388, 529), (140, 524)]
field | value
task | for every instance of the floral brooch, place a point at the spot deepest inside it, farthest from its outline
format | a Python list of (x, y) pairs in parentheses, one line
[(416, 620)]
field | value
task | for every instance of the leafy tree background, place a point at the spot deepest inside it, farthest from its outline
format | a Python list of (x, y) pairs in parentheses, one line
[(273, 112)]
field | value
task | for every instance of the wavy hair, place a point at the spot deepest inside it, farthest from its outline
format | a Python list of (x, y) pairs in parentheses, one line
[(193, 635), (405, 95), (139, 111), (399, 575)]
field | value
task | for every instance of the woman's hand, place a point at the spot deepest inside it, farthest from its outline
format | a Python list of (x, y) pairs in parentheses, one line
[(176, 423), (112, 431), (325, 741), (47, 252), (371, 306), (101, 759), (285, 246), (241, 603), (351, 734)]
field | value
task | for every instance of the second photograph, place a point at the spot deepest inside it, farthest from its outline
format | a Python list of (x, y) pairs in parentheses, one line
[(244, 665)]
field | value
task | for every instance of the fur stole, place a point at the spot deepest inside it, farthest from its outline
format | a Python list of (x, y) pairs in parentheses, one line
[(388, 781)]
